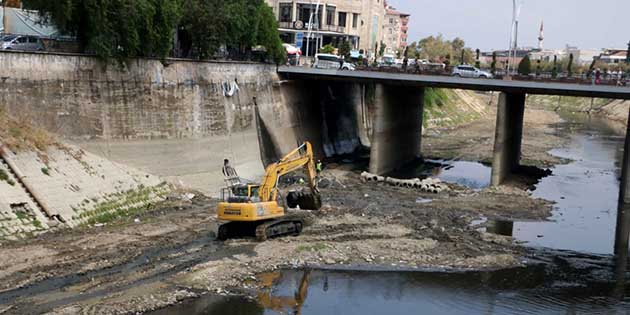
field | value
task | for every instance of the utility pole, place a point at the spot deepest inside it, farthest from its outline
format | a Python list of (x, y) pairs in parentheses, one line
[(516, 11), (4, 17), (310, 28)]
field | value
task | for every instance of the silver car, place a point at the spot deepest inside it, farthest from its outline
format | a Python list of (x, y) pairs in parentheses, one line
[(19, 42), (466, 71)]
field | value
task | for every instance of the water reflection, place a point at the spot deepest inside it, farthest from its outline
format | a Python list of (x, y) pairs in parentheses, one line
[(585, 193), (533, 290), (505, 228), (210, 305), (473, 175)]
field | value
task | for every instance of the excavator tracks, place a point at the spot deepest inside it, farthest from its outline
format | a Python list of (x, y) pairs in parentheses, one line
[(263, 230), (278, 228)]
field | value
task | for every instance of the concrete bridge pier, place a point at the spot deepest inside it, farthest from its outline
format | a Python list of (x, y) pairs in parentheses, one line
[(508, 136), (622, 234), (397, 127)]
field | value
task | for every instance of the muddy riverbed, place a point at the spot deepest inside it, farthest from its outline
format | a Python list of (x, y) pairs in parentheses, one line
[(169, 254)]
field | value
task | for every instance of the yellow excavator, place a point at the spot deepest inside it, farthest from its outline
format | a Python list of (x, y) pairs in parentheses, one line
[(253, 209)]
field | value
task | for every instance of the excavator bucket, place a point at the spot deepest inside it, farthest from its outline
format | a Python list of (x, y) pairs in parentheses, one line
[(306, 201)]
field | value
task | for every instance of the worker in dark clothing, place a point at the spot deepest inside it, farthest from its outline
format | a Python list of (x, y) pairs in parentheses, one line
[(231, 177)]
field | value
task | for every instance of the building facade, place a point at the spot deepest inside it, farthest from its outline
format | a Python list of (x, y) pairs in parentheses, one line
[(396, 26), (312, 24)]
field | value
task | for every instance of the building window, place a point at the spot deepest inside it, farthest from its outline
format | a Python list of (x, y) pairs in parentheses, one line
[(342, 19), (286, 12), (330, 15), (391, 21), (304, 14), (355, 20)]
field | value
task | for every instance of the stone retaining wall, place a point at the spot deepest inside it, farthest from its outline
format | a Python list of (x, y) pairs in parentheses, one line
[(81, 97)]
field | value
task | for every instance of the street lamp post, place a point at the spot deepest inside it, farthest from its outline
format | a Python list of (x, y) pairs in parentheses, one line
[(516, 11), (310, 28), (4, 18)]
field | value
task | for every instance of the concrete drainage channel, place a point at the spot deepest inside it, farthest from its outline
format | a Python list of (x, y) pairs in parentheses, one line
[(430, 185)]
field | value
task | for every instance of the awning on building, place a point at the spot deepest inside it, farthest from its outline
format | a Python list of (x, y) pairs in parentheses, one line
[(287, 30), (25, 22)]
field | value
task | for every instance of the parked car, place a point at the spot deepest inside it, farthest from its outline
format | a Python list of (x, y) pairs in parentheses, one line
[(330, 61), (466, 71), (19, 42), (387, 61)]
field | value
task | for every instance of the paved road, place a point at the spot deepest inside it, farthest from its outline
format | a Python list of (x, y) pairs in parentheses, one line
[(528, 87)]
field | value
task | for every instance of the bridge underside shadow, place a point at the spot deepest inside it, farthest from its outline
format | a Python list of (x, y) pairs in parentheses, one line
[(340, 118)]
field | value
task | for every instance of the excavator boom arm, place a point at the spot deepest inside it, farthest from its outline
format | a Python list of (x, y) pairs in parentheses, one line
[(299, 158)]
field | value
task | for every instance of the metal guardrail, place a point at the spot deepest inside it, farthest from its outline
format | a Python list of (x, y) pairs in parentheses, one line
[(583, 79)]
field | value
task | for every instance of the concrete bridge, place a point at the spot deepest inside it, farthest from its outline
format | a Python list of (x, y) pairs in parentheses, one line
[(396, 107)]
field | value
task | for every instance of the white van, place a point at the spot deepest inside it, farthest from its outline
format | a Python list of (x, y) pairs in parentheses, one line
[(330, 61)]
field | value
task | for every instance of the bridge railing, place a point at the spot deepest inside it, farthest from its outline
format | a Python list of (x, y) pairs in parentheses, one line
[(578, 78)]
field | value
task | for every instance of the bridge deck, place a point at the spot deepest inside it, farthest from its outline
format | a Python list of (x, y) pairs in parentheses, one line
[(528, 87)]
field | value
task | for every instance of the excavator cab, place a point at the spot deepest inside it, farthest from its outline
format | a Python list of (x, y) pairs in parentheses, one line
[(241, 193)]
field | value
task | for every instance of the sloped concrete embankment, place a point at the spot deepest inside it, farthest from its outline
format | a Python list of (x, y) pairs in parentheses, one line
[(66, 187), (613, 114)]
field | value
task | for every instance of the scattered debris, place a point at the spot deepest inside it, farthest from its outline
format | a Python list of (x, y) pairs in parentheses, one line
[(431, 185)]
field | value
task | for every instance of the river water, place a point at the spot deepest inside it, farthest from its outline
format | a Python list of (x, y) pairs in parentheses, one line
[(507, 292), (583, 280)]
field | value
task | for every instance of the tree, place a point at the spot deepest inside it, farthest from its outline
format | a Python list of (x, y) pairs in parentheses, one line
[(412, 50), (525, 66), (344, 49), (628, 55), (435, 47), (206, 24), (477, 61), (144, 28), (538, 67), (381, 50), (268, 35), (118, 29), (554, 70), (570, 66), (327, 49), (493, 65)]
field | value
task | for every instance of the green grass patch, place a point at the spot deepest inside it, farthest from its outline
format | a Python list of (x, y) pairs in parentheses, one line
[(119, 206), (4, 177), (38, 224), (442, 108), (21, 215)]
